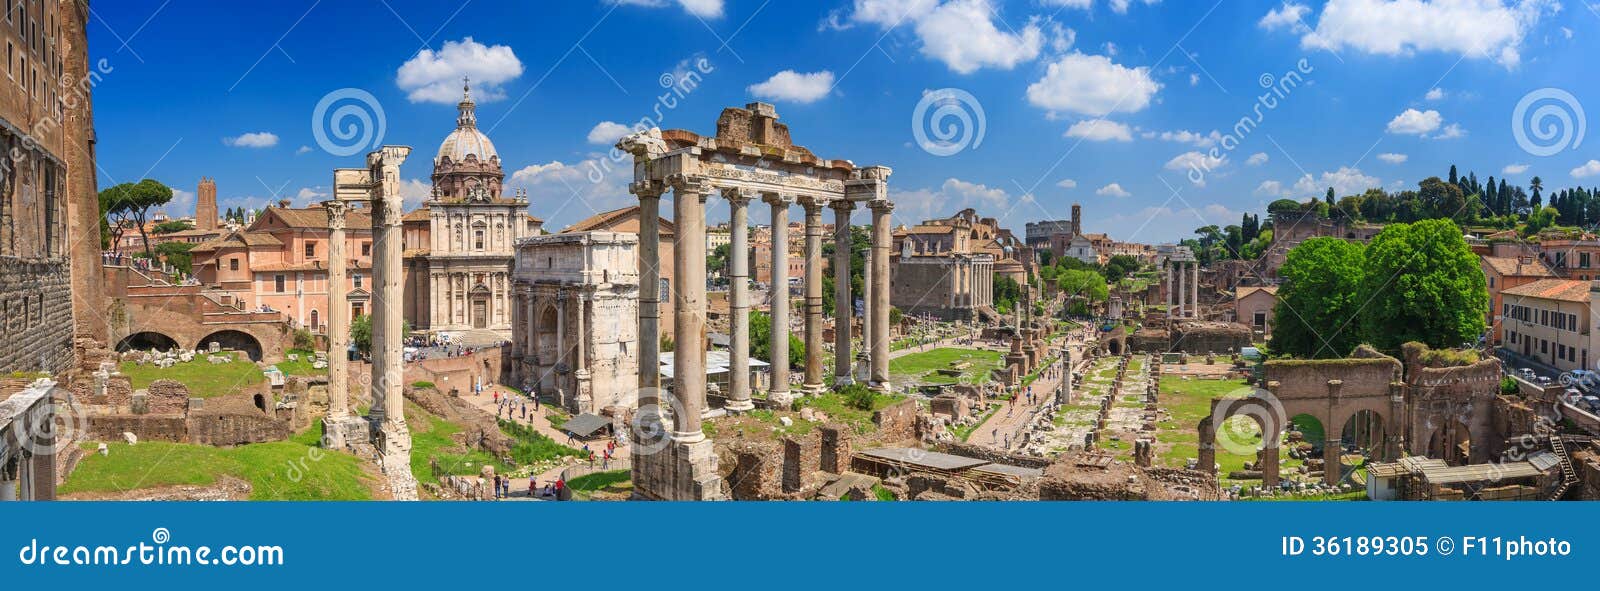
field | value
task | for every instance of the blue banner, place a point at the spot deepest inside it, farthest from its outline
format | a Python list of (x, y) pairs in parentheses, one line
[(791, 545)]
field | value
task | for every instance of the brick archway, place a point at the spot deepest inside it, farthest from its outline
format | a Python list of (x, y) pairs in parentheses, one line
[(145, 340), (235, 340)]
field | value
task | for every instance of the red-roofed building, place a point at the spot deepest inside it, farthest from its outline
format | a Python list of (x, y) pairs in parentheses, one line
[(1548, 320), (1502, 273)]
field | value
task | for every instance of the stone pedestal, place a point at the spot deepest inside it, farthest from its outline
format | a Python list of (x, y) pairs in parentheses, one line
[(394, 453), (680, 471), (345, 433)]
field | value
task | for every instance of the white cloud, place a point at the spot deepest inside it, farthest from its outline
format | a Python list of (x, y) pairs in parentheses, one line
[(1450, 132), (1414, 122), (795, 87), (1113, 190), (700, 8), (1589, 169), (1117, 6), (436, 76), (414, 192), (1345, 181), (1257, 159), (606, 133), (1269, 189), (953, 195), (257, 139), (961, 34), (1194, 80), (1435, 94), (1183, 136), (1195, 160), (1100, 130), (1479, 29), (1290, 15), (1093, 85), (1514, 169), (1392, 158), (303, 150), (1067, 184), (568, 192)]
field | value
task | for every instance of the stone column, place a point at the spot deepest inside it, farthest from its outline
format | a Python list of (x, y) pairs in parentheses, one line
[(779, 290), (1172, 288), (882, 238), (842, 303), (1194, 289), (813, 288), (394, 438), (739, 302), (1182, 310), (649, 304), (689, 307), (338, 328)]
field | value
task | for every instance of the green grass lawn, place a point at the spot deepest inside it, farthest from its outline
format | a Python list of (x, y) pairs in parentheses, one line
[(204, 379), (1189, 401), (838, 409), (922, 367), (431, 439), (302, 366), (278, 471), (613, 481)]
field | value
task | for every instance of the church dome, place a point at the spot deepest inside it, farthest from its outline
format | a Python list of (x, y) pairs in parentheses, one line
[(466, 140)]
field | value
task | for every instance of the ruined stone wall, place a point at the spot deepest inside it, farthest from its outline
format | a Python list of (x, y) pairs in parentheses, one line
[(802, 457), (1463, 395), (167, 397), (1198, 338), (898, 421), (1309, 379), (174, 428), (35, 315), (235, 428), (970, 450)]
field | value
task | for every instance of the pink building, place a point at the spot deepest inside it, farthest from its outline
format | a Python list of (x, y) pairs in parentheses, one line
[(280, 263)]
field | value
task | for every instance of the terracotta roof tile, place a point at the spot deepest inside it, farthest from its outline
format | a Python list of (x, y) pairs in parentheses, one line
[(1566, 290), (1518, 266)]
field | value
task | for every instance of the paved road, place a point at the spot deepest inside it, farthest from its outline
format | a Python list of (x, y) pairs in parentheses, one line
[(1004, 428), (537, 420)]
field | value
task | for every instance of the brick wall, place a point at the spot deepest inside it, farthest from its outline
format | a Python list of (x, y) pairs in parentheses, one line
[(35, 316), (898, 421)]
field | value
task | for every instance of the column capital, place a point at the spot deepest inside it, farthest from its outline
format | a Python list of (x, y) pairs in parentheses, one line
[(842, 205), (647, 188), (812, 203), (777, 199), (336, 210), (881, 205), (738, 197), (689, 183)]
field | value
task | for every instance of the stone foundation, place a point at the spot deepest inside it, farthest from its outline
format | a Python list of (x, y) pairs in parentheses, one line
[(35, 315), (679, 472)]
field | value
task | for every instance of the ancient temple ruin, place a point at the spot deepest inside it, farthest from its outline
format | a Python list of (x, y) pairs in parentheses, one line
[(751, 156)]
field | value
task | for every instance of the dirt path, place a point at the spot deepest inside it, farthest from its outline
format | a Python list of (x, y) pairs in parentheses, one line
[(537, 420), (1004, 428)]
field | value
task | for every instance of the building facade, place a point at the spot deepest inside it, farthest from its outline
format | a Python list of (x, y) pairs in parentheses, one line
[(460, 246), (1502, 273), (280, 263), (1548, 321)]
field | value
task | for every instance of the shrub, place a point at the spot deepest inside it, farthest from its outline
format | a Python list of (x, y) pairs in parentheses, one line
[(303, 339), (424, 385), (858, 397), (1508, 385)]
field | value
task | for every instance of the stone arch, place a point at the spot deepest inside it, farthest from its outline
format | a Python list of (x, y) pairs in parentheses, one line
[(1260, 406), (1451, 442), (141, 341), (1367, 430), (233, 340)]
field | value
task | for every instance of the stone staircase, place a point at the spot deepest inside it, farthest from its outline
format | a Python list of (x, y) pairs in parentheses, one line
[(1569, 476)]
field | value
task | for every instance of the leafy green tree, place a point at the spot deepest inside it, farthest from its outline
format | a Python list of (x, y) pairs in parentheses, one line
[(361, 333), (1425, 285), (1006, 293), (1318, 302), (177, 255), (131, 203), (761, 341), (1082, 288)]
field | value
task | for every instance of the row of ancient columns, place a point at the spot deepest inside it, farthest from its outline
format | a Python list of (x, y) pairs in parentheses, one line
[(1183, 289), (689, 297)]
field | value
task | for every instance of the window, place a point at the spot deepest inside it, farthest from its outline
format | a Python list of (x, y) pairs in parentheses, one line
[(233, 264), (356, 309), (1583, 260), (311, 249), (277, 282), (357, 278), (366, 249), (1491, 283), (477, 239)]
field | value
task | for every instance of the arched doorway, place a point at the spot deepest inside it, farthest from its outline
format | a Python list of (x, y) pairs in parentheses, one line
[(1451, 442), (233, 340), (144, 341), (315, 317), (544, 348), (1243, 429), (1365, 431)]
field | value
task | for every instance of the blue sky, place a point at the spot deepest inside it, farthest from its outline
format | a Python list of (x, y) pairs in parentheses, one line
[(1108, 103)]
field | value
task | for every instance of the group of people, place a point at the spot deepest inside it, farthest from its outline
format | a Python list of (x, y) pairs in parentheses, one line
[(503, 484), (511, 407)]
